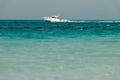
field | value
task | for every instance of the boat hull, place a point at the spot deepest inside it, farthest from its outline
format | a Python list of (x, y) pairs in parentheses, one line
[(51, 19)]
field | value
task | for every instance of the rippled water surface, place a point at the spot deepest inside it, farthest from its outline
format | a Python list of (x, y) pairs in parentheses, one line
[(37, 50)]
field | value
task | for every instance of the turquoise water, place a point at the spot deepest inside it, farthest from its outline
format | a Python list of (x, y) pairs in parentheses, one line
[(37, 50)]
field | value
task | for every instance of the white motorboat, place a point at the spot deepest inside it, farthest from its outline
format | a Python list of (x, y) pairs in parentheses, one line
[(54, 19)]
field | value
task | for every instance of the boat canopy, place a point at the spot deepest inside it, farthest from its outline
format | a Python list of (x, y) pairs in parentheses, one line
[(55, 16)]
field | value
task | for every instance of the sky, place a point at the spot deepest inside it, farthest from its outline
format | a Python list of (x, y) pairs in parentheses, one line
[(69, 9)]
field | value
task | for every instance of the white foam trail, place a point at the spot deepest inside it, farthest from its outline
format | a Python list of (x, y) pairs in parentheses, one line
[(78, 21), (96, 21), (84, 21)]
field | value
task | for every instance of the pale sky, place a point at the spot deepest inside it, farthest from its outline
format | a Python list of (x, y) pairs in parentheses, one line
[(70, 9)]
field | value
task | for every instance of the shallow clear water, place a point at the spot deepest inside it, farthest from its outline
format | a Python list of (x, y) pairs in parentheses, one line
[(37, 50)]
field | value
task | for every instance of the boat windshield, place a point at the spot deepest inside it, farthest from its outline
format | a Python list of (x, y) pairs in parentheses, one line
[(55, 17)]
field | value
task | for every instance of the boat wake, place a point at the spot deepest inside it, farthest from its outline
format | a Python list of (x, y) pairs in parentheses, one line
[(94, 21)]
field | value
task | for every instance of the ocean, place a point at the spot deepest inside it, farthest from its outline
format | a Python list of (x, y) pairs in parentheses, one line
[(76, 50)]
